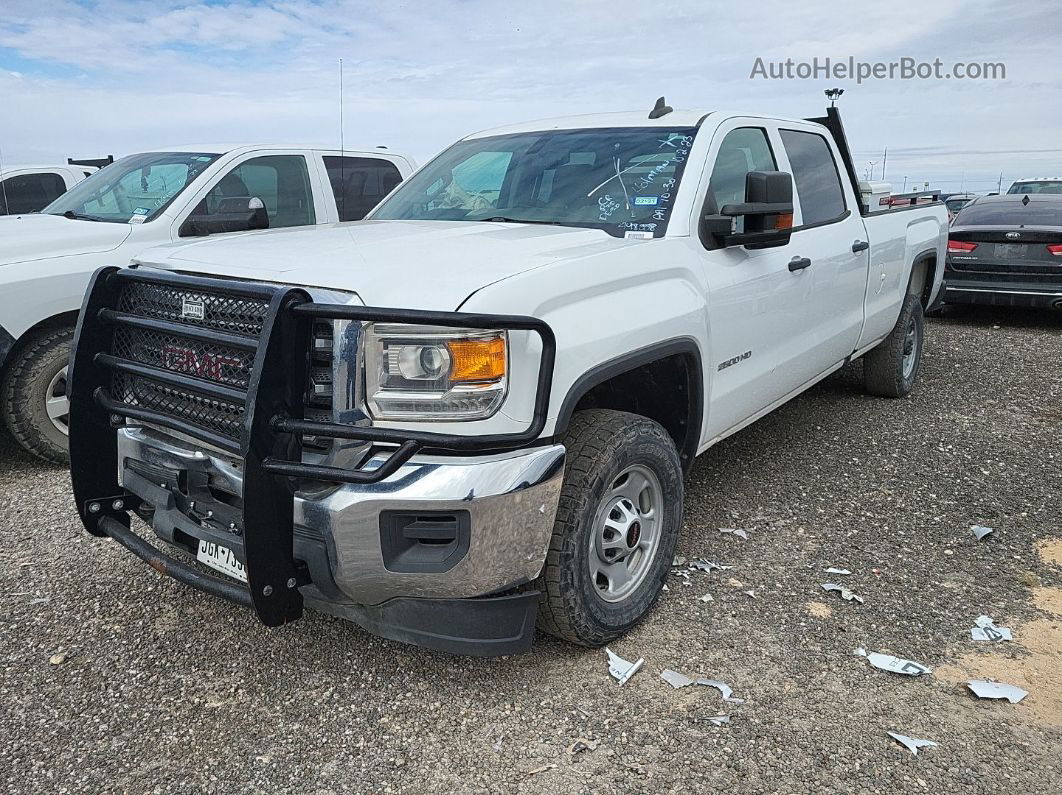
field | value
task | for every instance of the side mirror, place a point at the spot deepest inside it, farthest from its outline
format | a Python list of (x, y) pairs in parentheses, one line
[(233, 214), (767, 212)]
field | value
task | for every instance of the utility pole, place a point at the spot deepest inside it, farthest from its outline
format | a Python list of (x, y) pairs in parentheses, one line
[(904, 189), (884, 160)]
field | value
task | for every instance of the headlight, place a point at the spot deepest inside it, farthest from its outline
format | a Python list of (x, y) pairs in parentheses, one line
[(432, 373)]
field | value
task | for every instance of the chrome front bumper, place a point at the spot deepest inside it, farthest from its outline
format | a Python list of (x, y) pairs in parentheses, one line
[(510, 498)]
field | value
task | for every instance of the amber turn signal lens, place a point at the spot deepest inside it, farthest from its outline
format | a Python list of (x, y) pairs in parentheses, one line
[(477, 359), (783, 221)]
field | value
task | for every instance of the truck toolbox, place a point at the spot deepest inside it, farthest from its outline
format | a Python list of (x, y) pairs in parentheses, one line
[(401, 546)]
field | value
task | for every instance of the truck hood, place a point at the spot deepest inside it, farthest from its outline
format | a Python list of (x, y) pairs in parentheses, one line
[(412, 264), (24, 238)]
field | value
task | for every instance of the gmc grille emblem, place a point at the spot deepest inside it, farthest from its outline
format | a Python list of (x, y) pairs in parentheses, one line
[(192, 309), (186, 360)]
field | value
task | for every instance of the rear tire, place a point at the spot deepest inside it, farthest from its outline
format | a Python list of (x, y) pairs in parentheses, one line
[(891, 369), (32, 396), (616, 529)]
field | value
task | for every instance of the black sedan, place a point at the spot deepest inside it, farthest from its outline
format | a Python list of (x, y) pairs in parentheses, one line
[(1006, 250)]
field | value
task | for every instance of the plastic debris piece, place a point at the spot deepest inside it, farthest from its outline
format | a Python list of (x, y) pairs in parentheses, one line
[(842, 572), (742, 534), (986, 629), (57, 659), (846, 594), (665, 588), (750, 594), (723, 688), (719, 720), (886, 662), (678, 560), (43, 600), (620, 669), (582, 744), (675, 679), (985, 689), (912, 744), (706, 598), (541, 769), (980, 531)]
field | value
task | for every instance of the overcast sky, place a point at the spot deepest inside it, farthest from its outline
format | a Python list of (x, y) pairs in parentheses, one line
[(90, 78)]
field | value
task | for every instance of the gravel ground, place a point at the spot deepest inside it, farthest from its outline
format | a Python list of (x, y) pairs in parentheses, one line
[(162, 689)]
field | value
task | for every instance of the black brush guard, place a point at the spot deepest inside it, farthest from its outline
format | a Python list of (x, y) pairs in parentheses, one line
[(272, 425)]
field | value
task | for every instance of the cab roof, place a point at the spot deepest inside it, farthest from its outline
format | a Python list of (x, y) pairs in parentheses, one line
[(640, 118)]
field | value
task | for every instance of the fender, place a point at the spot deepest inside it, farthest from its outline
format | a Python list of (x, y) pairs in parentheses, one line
[(627, 362), (7, 342)]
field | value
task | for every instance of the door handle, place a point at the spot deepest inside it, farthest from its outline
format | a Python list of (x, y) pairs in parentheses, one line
[(799, 263), (860, 245)]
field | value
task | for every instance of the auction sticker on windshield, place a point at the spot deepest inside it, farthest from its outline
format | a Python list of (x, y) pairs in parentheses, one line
[(221, 559)]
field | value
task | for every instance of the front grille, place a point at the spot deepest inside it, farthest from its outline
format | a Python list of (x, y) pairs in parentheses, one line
[(234, 314), (213, 362)]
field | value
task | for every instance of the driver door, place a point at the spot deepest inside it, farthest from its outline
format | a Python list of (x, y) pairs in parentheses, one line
[(756, 313)]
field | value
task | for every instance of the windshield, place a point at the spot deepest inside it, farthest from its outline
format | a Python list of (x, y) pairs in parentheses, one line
[(1039, 186), (620, 180), (134, 189)]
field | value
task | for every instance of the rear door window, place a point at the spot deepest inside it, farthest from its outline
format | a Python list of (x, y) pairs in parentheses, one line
[(359, 183), (28, 193), (815, 177)]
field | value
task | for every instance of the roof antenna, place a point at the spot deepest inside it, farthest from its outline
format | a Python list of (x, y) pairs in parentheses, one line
[(833, 94), (660, 109), (342, 150)]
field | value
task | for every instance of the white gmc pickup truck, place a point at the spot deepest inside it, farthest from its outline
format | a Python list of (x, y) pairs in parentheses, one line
[(47, 258), (473, 410)]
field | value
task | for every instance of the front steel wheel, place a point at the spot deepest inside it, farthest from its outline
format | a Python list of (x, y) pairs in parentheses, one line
[(626, 533)]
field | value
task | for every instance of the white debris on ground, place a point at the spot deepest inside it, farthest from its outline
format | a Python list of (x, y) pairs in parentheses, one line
[(912, 744), (846, 594), (896, 665), (842, 572), (621, 670), (678, 679), (985, 689), (719, 720), (980, 531), (986, 629), (742, 534)]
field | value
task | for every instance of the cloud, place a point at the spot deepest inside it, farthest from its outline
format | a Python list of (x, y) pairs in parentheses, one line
[(120, 76)]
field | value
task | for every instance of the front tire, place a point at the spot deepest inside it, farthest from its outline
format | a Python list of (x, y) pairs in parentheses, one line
[(616, 530), (891, 369), (33, 395)]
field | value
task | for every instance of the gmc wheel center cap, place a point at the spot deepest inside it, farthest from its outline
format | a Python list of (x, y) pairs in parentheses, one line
[(634, 532)]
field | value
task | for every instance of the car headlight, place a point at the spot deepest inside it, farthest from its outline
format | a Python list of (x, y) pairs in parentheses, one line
[(433, 373)]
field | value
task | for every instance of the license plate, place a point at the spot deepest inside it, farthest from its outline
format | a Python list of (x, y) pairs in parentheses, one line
[(1010, 250), (221, 559)]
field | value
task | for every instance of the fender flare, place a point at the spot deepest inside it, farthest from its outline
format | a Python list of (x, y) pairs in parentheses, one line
[(626, 362)]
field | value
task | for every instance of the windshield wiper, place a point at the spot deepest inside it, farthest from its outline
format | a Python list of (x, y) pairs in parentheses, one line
[(80, 216), (504, 219)]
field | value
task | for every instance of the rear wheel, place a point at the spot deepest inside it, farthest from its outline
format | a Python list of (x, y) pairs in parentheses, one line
[(891, 369), (33, 395), (616, 530)]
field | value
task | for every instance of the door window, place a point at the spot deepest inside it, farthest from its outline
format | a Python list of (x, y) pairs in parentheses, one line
[(28, 193), (282, 182), (743, 150), (358, 183), (815, 176)]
